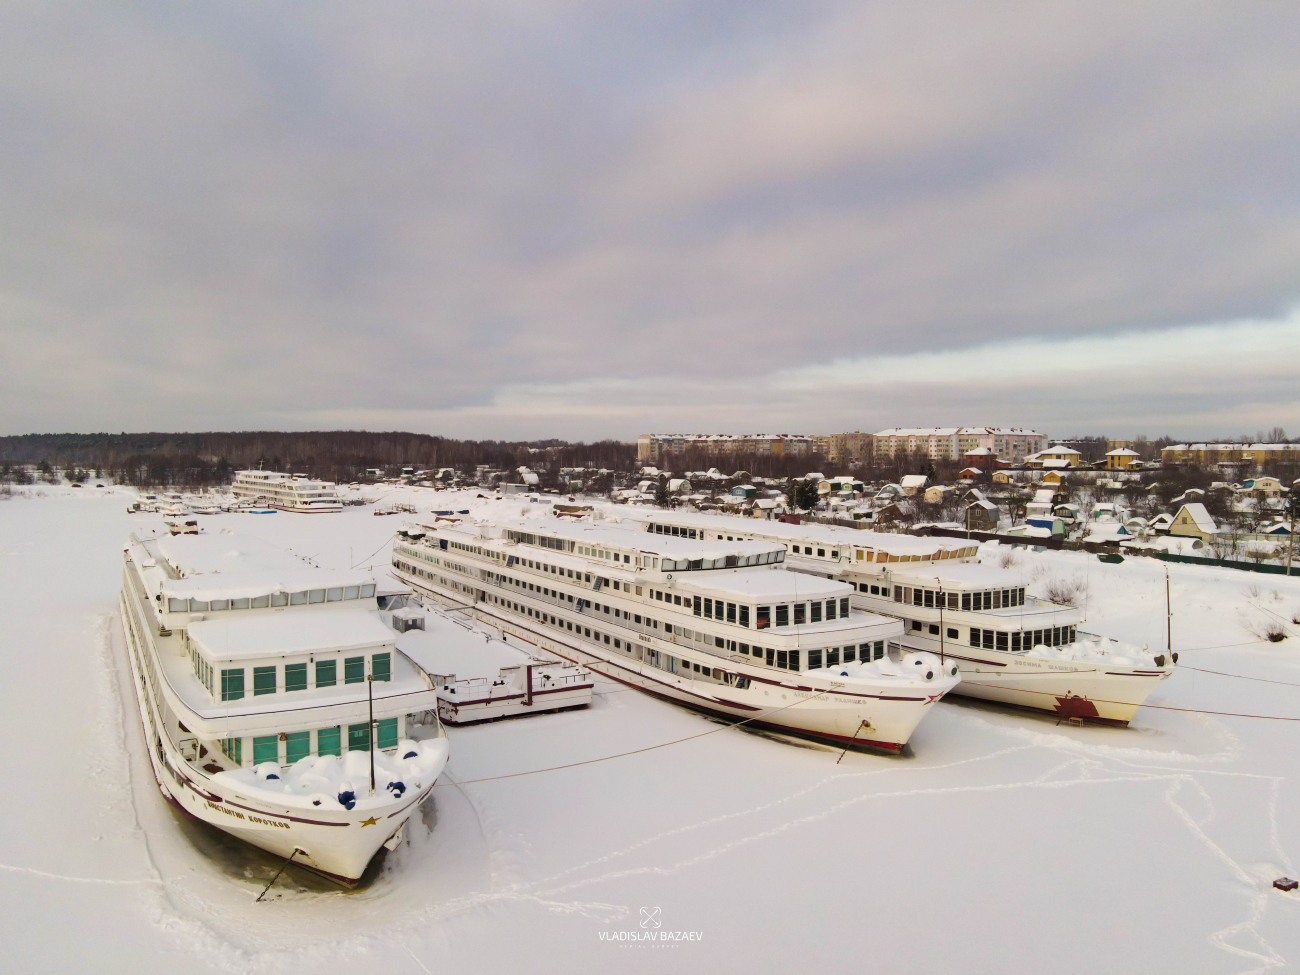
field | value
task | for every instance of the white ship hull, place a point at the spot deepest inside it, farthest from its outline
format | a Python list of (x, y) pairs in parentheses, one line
[(336, 843), (1071, 689), (806, 704), (492, 708)]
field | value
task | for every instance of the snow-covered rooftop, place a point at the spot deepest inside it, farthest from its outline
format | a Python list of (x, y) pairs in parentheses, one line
[(755, 584), (266, 634), (445, 648), (961, 575)]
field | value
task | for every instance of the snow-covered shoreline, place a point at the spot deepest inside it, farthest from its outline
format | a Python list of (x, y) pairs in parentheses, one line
[(1152, 847)]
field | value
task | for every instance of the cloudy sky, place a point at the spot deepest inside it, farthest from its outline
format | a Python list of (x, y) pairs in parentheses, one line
[(541, 218)]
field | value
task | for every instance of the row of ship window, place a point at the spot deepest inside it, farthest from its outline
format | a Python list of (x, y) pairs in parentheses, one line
[(722, 562), (510, 561), (986, 599), (562, 545), (1052, 636), (306, 597), (298, 744), (781, 659), (785, 614), (266, 679), (715, 609)]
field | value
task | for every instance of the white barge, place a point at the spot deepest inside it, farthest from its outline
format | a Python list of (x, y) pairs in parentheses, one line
[(720, 626), (274, 702), (482, 678), (1011, 647)]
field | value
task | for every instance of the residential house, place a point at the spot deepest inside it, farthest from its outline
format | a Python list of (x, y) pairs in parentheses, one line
[(1055, 457), (1041, 506), (1193, 521), (912, 483), (1269, 487), (981, 515), (890, 492), (1121, 459)]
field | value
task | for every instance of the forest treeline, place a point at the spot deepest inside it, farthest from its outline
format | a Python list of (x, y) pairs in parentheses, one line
[(203, 459)]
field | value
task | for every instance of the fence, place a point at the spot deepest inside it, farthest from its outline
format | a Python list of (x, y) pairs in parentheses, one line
[(1056, 542), (1279, 570)]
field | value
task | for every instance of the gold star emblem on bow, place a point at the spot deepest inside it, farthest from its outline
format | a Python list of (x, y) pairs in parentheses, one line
[(369, 822)]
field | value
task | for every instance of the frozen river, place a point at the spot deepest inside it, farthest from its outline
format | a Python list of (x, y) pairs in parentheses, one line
[(1002, 843)]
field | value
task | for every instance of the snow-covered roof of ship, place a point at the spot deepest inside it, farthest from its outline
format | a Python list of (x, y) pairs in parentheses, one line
[(759, 584), (271, 634), (446, 648), (617, 536), (230, 566), (826, 534), (961, 575)]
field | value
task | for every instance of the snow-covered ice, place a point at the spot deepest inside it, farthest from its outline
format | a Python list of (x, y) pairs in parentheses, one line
[(1003, 843)]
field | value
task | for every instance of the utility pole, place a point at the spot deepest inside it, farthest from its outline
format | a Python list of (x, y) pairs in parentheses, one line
[(1169, 618), (1294, 509), (370, 693), (942, 599)]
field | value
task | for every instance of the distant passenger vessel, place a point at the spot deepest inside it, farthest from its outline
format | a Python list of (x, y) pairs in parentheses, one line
[(1011, 647), (719, 625), (275, 703), (288, 492)]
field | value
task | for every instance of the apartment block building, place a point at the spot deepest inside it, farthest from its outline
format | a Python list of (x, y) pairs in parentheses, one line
[(937, 443), (1009, 444), (660, 449), (849, 448)]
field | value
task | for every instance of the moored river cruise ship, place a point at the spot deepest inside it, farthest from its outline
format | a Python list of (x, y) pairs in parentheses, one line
[(274, 701), (286, 492), (721, 626), (1011, 647)]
